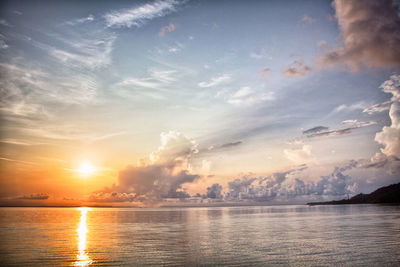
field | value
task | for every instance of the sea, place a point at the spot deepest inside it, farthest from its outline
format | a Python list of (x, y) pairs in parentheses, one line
[(342, 235)]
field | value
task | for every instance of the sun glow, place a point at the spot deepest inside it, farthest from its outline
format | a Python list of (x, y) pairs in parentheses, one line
[(86, 169)]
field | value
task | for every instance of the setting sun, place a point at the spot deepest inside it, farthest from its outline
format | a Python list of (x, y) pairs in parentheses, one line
[(86, 169)]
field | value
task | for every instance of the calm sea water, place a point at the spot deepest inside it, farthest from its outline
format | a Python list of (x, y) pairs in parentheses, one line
[(354, 235)]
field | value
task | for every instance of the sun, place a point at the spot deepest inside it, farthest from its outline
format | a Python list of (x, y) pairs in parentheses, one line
[(86, 169)]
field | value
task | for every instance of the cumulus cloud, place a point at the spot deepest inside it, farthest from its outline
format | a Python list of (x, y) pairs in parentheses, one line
[(214, 191), (370, 31), (39, 196), (299, 155), (288, 184), (160, 176), (389, 137), (247, 96), (297, 69), (170, 28), (139, 15), (216, 81)]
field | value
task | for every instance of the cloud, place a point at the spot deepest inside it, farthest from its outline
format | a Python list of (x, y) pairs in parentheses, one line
[(307, 19), (389, 137), (215, 191), (3, 44), (378, 107), (287, 184), (232, 144), (321, 131), (160, 176), (297, 69), (246, 96), (299, 155), (216, 81), (331, 133), (139, 15), (322, 45), (40, 196), (5, 23), (264, 73), (90, 17), (170, 28), (358, 124), (370, 31), (316, 129), (352, 107), (91, 53)]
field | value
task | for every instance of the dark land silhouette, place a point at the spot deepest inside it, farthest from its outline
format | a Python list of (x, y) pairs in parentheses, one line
[(384, 195)]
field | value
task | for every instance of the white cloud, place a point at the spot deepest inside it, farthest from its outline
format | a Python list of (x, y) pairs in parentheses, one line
[(352, 107), (378, 107), (358, 124), (247, 96), (299, 155), (389, 137), (138, 15), (216, 81), (89, 18)]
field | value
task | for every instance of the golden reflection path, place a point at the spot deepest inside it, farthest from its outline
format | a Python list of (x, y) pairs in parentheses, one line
[(82, 256)]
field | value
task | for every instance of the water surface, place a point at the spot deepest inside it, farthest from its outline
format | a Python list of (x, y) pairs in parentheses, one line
[(356, 235)]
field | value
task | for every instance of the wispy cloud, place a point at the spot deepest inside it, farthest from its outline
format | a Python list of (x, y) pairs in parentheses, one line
[(216, 81), (350, 107), (3, 44), (246, 96), (39, 196), (378, 107), (307, 19), (322, 131), (4, 23), (170, 28), (264, 73), (139, 15), (81, 20)]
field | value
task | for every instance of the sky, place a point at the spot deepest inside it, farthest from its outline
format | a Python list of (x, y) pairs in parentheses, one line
[(145, 103)]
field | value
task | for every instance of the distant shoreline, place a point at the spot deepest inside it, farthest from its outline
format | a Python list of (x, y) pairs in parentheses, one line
[(385, 195)]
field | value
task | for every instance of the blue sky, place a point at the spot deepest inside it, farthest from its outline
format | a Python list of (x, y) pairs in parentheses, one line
[(104, 81)]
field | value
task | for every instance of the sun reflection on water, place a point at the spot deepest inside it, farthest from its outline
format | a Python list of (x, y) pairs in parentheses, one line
[(82, 256)]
